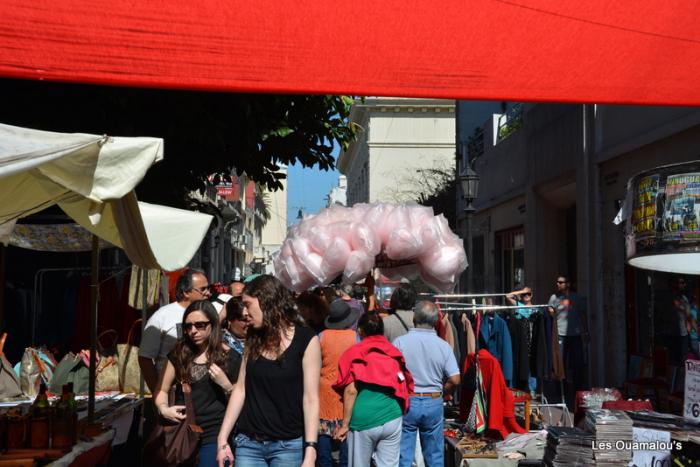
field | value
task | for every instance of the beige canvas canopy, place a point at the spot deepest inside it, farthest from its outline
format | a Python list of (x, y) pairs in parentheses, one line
[(92, 179)]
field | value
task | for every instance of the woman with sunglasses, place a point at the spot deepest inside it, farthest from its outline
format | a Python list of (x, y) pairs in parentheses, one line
[(275, 400), (201, 360)]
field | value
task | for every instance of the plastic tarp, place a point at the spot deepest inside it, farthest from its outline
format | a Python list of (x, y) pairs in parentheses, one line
[(92, 179), (593, 51)]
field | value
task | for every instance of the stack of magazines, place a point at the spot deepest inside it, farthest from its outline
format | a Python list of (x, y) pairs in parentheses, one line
[(568, 447), (613, 436)]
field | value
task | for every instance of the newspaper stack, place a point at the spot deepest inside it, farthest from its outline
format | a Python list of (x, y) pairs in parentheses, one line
[(568, 447), (613, 436)]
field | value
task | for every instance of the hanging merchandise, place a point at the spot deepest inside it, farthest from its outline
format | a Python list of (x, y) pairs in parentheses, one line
[(71, 370), (136, 287), (405, 241)]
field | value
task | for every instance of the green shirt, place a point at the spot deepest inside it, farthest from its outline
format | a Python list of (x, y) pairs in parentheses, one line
[(374, 406)]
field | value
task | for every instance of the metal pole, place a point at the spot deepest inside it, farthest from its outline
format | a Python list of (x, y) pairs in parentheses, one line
[(144, 314), (94, 298), (469, 211)]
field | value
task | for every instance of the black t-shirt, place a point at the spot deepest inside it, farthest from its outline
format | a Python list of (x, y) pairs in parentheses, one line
[(208, 398), (274, 392)]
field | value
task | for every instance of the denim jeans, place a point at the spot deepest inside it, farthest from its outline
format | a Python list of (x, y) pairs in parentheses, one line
[(276, 453), (325, 449), (207, 455), (426, 417)]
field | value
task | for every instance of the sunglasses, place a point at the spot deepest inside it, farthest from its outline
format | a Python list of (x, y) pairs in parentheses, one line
[(202, 290), (561, 282), (199, 325), (527, 295)]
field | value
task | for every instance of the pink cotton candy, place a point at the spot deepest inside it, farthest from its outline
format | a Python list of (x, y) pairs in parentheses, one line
[(358, 265), (311, 263), (336, 257), (319, 238), (362, 237), (403, 245)]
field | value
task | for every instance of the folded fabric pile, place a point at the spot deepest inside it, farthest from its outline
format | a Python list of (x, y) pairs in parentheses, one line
[(409, 238)]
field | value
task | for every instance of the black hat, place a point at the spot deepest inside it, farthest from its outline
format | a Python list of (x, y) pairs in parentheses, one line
[(341, 315)]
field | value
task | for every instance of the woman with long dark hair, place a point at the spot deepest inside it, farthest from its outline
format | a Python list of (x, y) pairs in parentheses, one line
[(275, 400), (201, 360)]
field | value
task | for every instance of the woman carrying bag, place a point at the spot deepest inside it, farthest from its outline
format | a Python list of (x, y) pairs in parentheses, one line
[(275, 400), (205, 368)]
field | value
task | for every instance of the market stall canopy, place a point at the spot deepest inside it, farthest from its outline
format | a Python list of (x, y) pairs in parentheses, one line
[(662, 219), (92, 179), (517, 50)]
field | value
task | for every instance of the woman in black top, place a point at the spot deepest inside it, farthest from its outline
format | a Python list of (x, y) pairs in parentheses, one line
[(275, 400), (208, 366)]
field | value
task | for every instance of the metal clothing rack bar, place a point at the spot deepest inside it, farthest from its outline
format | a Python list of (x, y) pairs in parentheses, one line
[(481, 306), (482, 295)]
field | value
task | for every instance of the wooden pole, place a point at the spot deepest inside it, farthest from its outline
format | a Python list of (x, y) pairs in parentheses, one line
[(2, 286), (94, 299)]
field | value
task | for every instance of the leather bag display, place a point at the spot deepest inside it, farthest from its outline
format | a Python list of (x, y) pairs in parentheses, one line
[(37, 366), (175, 443), (107, 371), (128, 361), (71, 369), (9, 383)]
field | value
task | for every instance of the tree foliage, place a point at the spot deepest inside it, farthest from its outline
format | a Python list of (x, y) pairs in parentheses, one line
[(205, 133)]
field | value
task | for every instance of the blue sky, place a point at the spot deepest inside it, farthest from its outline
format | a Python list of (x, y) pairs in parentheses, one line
[(307, 189)]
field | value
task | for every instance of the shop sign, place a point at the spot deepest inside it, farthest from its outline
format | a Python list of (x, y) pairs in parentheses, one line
[(691, 398), (651, 438), (662, 215)]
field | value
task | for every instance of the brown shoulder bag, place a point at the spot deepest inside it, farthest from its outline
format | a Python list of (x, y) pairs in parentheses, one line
[(175, 443)]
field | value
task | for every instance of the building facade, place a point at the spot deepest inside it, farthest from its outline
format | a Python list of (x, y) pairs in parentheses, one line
[(399, 140), (550, 187), (338, 194)]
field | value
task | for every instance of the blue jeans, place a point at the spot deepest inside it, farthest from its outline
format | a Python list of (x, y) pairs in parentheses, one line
[(276, 453), (207, 455), (426, 417), (325, 448)]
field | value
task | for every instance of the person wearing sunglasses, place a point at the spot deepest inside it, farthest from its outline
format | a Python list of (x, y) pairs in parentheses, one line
[(519, 298), (276, 398), (202, 360)]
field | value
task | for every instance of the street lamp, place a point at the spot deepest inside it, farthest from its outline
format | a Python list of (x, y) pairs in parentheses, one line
[(469, 181)]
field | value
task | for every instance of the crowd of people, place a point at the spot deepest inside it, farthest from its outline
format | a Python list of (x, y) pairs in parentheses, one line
[(282, 379)]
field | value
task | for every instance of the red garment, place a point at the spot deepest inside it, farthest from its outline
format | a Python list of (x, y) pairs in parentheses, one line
[(439, 325), (500, 401), (375, 361)]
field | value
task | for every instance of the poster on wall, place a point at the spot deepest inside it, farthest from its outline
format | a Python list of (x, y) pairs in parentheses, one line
[(681, 217), (644, 213), (691, 397)]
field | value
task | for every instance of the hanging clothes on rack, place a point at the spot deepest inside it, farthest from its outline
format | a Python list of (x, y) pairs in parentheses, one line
[(500, 401), (520, 335), (495, 338)]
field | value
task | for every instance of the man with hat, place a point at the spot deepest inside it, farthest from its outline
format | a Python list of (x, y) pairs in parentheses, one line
[(335, 340)]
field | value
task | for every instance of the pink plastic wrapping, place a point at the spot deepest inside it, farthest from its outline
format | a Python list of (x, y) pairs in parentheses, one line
[(348, 240)]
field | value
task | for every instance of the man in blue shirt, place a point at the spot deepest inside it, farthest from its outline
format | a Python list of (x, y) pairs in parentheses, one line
[(432, 363)]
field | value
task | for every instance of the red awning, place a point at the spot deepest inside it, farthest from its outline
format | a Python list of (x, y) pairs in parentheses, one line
[(600, 51)]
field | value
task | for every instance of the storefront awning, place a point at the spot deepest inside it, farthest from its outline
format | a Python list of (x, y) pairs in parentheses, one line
[(517, 50), (92, 179)]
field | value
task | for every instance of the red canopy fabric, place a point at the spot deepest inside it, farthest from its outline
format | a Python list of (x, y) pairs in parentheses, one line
[(517, 50)]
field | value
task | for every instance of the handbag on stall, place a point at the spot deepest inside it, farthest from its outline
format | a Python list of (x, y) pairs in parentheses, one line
[(71, 369), (175, 443), (107, 371), (36, 367), (128, 360), (9, 383)]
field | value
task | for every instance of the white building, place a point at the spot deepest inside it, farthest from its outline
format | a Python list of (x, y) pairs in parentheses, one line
[(399, 140), (275, 230), (338, 194)]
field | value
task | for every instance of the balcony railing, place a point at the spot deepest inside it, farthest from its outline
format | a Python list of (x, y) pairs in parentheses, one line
[(509, 122)]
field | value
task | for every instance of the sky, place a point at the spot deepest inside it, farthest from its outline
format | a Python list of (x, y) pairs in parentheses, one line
[(307, 189)]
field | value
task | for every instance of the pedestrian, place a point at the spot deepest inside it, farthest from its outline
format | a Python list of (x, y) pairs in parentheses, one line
[(572, 328), (236, 288), (275, 400), (313, 309), (208, 366), (375, 384), (346, 292), (335, 340), (234, 325), (400, 318), (435, 372), (522, 297), (164, 328)]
